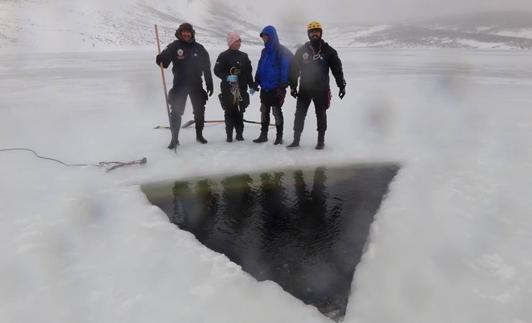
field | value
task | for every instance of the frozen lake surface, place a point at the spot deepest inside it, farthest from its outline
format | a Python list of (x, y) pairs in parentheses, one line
[(449, 244)]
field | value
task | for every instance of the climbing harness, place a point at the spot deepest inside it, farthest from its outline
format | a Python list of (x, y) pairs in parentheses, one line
[(234, 87)]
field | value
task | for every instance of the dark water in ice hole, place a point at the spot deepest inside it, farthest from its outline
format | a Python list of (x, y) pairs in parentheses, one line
[(304, 229)]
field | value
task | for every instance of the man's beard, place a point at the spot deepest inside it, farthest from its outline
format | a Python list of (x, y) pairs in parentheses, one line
[(315, 40)]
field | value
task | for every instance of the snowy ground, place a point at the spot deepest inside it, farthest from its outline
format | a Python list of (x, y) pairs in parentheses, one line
[(451, 243)]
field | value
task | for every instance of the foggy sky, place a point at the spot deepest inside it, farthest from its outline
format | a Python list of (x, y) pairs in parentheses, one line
[(360, 11)]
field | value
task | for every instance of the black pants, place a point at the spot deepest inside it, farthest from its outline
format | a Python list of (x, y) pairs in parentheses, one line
[(322, 100), (177, 98), (272, 100), (234, 111)]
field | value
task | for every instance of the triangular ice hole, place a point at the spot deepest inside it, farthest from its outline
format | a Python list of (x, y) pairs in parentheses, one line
[(303, 229)]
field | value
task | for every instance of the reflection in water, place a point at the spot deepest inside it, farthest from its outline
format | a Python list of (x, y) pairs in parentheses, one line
[(305, 230)]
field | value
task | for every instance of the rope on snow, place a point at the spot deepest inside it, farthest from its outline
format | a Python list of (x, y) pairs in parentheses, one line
[(109, 166)]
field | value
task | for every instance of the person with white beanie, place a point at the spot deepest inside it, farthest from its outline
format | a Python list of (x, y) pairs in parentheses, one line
[(234, 69)]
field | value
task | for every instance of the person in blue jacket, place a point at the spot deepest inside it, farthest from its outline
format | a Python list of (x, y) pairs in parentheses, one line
[(272, 77)]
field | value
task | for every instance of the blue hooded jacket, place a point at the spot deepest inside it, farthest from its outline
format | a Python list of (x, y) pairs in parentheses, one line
[(274, 63)]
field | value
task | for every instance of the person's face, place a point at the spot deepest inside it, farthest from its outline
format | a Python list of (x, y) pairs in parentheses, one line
[(314, 34), (186, 35), (265, 38), (236, 45)]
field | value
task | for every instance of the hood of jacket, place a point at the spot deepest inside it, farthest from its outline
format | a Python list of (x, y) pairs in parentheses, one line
[(188, 27), (273, 42)]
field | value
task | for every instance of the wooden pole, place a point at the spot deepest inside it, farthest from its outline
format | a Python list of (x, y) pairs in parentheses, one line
[(164, 85)]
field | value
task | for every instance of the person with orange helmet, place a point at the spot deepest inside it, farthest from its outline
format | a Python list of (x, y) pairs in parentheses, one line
[(310, 67)]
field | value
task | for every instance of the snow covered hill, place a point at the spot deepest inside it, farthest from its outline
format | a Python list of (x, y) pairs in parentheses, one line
[(51, 25), (413, 36), (61, 25), (487, 30)]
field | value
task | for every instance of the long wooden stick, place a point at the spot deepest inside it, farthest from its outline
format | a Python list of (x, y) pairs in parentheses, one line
[(191, 122), (164, 85)]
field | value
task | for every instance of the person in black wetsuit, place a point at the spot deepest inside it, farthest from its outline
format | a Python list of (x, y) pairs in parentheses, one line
[(311, 65), (234, 68), (190, 61)]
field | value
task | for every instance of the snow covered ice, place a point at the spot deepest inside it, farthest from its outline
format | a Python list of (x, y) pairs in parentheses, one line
[(450, 243)]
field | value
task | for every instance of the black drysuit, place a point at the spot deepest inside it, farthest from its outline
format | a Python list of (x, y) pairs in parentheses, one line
[(234, 97), (311, 64), (190, 61)]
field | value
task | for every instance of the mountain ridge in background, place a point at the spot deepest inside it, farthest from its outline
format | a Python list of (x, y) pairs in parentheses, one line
[(55, 26)]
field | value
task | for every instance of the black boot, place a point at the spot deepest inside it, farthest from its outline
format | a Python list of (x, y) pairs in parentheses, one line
[(173, 144), (321, 141), (175, 125), (229, 133), (279, 136), (239, 129), (295, 143), (278, 140), (199, 136), (201, 139), (262, 138)]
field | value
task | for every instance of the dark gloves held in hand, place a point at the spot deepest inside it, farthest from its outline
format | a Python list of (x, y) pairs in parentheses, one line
[(158, 60), (341, 93), (210, 91), (293, 93)]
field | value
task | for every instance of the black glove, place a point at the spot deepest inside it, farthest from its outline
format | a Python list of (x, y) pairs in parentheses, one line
[(293, 93), (341, 94), (210, 91), (158, 60)]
